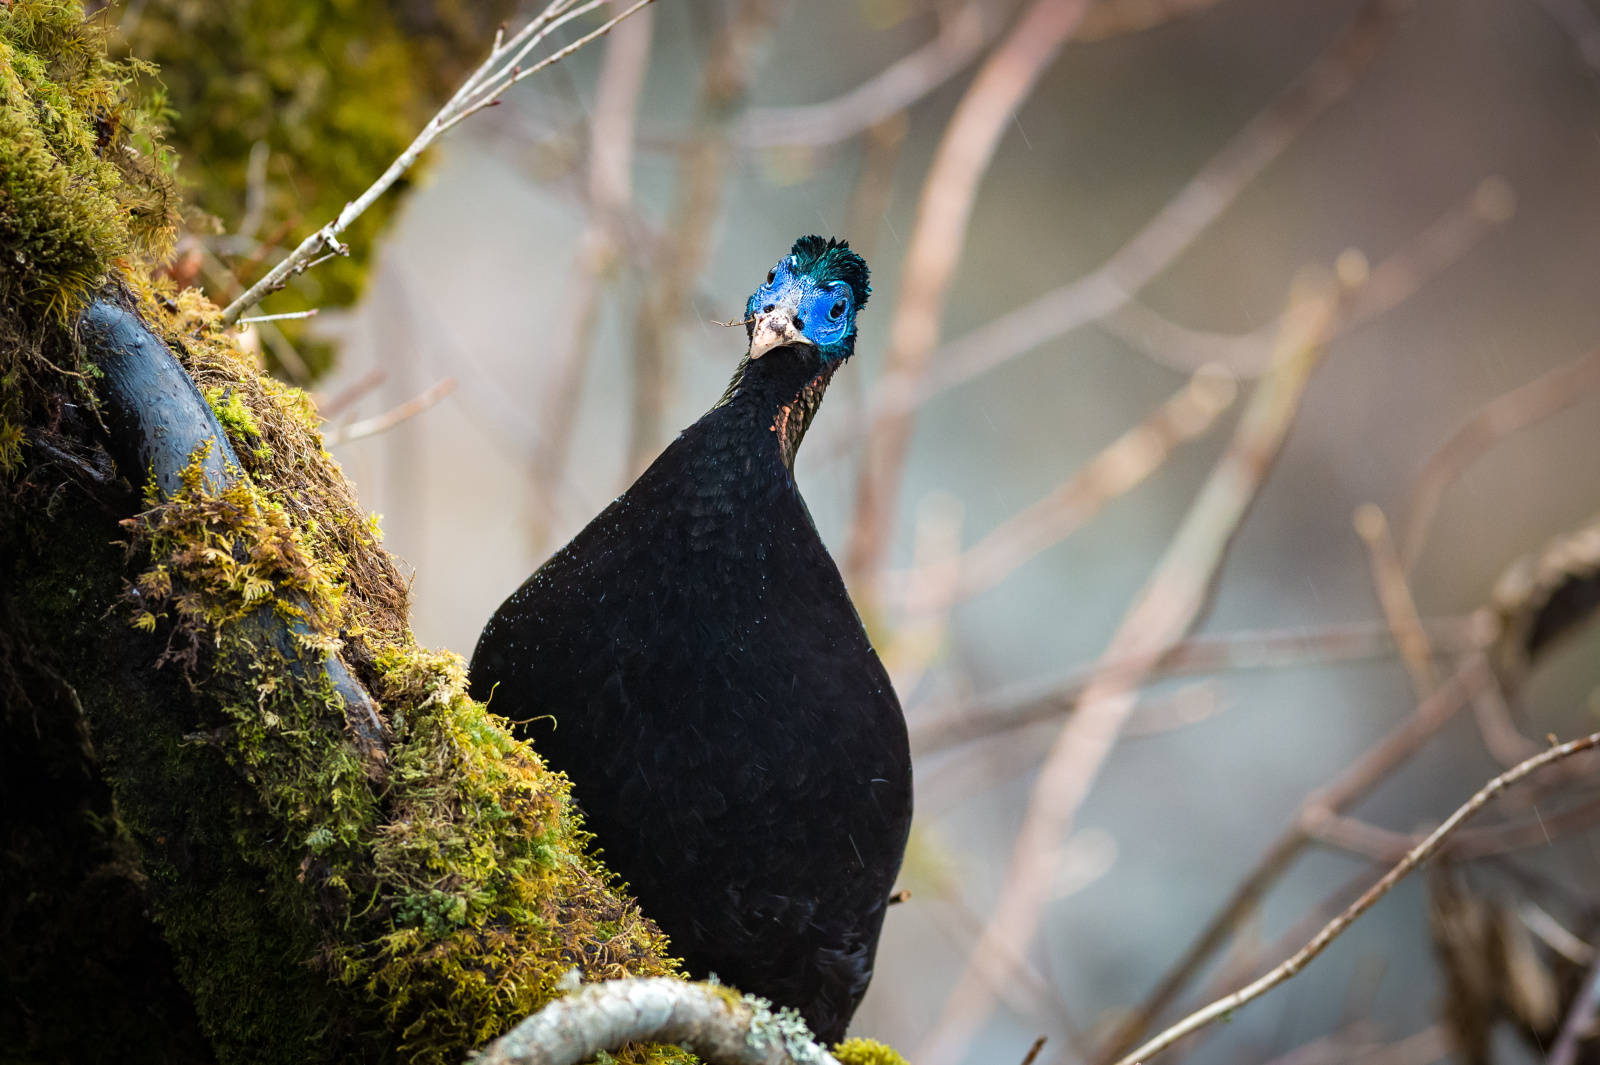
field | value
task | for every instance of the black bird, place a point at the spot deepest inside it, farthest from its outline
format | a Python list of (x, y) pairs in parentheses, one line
[(692, 661)]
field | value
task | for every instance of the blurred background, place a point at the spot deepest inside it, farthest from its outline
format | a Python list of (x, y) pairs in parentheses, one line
[(1163, 188)]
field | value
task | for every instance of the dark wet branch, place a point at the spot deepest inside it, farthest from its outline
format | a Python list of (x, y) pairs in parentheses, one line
[(159, 423)]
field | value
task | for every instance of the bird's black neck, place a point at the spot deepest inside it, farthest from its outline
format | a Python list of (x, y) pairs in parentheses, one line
[(774, 398)]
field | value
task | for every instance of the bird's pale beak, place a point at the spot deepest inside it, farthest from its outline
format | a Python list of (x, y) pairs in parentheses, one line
[(774, 329)]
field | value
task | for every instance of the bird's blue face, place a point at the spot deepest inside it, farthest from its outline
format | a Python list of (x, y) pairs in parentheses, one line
[(810, 297)]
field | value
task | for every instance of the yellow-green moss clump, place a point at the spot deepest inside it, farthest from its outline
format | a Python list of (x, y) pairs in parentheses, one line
[(83, 182), (867, 1052)]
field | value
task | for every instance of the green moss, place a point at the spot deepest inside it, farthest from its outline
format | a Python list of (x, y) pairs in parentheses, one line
[(867, 1052), (238, 422), (83, 182), (82, 177)]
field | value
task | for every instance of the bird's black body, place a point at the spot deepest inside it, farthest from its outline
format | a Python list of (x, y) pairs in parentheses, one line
[(694, 664)]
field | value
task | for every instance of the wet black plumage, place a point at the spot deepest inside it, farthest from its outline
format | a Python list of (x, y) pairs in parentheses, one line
[(694, 664)]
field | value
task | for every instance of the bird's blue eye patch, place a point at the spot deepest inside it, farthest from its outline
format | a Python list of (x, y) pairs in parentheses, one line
[(822, 284)]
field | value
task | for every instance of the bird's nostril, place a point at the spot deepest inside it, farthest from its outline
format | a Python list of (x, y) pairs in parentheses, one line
[(800, 324), (768, 308)]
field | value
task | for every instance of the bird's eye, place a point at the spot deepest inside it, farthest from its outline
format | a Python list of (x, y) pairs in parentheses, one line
[(772, 275), (838, 309)]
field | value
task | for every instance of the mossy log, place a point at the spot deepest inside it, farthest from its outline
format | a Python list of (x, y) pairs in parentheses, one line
[(331, 875)]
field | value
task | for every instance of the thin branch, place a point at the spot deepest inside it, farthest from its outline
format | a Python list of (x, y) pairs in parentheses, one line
[(1169, 232), (1431, 1044), (963, 155), (1356, 781), (286, 315), (611, 138), (709, 1021), (1386, 286), (382, 423), (1028, 704), (1508, 413), (1123, 465), (472, 96), (1162, 614), (351, 394), (1581, 24), (936, 554), (1333, 929), (1394, 594), (1501, 737), (733, 55), (1539, 829), (489, 96), (953, 782), (1115, 18), (892, 90)]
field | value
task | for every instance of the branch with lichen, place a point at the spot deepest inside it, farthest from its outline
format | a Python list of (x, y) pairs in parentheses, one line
[(503, 68), (719, 1025)]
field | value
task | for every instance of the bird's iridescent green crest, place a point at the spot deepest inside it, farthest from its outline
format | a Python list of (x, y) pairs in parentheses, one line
[(810, 297)]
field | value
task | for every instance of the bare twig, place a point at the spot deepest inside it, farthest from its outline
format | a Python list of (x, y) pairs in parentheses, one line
[(1114, 18), (721, 1029), (1002, 83), (1384, 845), (351, 394), (731, 64), (382, 423), (312, 313), (1555, 935), (892, 90), (1123, 465), (611, 137), (1394, 594), (481, 88), (1581, 24), (1387, 286), (1333, 929), (953, 782), (1033, 1051), (1354, 782), (1171, 230), (1167, 606), (1501, 737), (1420, 1048), (1022, 705), (936, 552), (1510, 412), (255, 190)]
